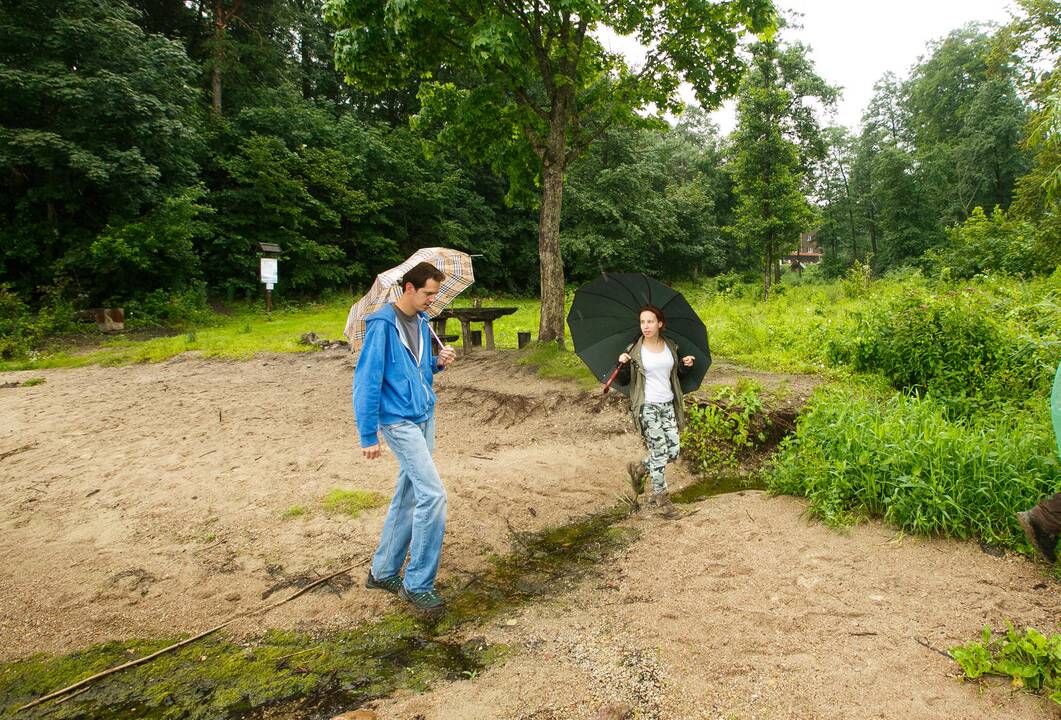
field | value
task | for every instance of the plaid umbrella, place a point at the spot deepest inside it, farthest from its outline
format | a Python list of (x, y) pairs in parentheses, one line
[(387, 288)]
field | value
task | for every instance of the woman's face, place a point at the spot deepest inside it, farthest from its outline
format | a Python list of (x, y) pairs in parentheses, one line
[(650, 325)]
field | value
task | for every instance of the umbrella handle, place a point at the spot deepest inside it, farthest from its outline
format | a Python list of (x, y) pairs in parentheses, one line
[(611, 378), (441, 346)]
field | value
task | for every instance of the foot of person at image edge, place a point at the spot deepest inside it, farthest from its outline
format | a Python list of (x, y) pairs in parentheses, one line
[(1042, 526)]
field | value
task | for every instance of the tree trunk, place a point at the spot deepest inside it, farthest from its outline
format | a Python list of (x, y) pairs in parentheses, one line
[(551, 322), (215, 83), (768, 260)]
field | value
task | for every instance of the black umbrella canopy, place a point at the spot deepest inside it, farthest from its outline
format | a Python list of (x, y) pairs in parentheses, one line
[(605, 322)]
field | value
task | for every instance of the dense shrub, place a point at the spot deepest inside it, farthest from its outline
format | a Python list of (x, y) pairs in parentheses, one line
[(170, 309), (905, 460), (955, 346), (21, 330), (982, 244)]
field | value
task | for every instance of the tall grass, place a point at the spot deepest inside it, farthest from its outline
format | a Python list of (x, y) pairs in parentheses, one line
[(903, 459)]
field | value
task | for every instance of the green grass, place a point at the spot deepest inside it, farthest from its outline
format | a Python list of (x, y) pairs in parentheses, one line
[(292, 512), (351, 502), (233, 337), (860, 454), (551, 361)]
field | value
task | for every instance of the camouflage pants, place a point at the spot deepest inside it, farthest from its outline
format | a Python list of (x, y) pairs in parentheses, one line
[(660, 432)]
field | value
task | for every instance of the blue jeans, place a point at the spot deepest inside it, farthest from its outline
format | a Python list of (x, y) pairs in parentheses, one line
[(416, 520)]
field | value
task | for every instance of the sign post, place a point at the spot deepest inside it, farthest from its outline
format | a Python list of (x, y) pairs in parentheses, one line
[(269, 271)]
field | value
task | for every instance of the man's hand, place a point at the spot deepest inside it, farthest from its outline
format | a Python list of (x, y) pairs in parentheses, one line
[(446, 355), (688, 360), (371, 452)]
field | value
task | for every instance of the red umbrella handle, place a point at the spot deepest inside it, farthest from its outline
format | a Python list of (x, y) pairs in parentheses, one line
[(611, 378)]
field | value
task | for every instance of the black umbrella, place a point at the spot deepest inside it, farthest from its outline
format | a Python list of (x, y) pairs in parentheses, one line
[(604, 322)]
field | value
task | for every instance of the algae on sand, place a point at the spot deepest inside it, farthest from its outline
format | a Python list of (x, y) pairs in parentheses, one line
[(310, 675)]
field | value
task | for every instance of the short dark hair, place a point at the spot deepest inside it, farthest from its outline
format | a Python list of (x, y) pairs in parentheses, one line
[(419, 274), (654, 310)]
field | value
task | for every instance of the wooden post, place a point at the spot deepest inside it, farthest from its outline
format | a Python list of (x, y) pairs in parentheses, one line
[(466, 336), (488, 331)]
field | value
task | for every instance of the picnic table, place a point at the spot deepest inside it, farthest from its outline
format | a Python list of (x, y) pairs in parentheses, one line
[(469, 315)]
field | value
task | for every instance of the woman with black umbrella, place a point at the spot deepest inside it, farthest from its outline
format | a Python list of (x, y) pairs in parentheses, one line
[(651, 368)]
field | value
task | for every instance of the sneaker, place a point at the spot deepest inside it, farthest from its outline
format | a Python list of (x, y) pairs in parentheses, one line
[(392, 584), (637, 472), (427, 601), (1043, 541)]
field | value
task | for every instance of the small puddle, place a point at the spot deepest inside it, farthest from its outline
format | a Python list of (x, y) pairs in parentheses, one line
[(719, 485), (314, 675)]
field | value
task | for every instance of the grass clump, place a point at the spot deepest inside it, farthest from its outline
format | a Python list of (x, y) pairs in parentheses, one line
[(906, 460), (351, 502), (293, 512), (1031, 660)]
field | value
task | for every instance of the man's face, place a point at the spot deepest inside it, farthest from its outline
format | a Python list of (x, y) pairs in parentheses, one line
[(423, 297)]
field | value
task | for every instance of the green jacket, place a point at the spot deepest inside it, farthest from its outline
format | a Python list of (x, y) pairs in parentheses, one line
[(636, 381)]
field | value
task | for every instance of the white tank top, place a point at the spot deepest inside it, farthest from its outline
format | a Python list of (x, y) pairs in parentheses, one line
[(657, 366)]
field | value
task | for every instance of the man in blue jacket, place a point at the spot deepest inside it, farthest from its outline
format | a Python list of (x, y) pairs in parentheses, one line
[(393, 396)]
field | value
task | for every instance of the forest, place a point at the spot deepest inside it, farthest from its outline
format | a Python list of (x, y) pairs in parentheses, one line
[(148, 148)]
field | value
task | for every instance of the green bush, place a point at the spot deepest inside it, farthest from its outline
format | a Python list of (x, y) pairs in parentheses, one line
[(955, 347), (905, 460), (719, 430), (983, 244), (175, 308), (1032, 660), (21, 330)]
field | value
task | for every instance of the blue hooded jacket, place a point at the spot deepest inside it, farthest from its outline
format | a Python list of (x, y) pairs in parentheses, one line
[(390, 383)]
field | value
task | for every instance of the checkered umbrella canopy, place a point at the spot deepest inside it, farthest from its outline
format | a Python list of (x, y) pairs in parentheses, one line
[(387, 288)]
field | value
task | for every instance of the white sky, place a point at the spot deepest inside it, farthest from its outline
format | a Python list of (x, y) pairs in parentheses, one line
[(854, 42)]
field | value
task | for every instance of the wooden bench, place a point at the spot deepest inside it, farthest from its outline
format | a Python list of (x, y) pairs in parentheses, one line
[(467, 316)]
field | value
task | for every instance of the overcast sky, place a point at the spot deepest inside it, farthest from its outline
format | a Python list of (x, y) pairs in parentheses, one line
[(854, 42)]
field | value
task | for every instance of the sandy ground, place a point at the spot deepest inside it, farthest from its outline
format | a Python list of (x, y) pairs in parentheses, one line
[(147, 500)]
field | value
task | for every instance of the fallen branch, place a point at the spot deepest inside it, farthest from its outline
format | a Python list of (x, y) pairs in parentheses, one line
[(924, 643), (140, 661)]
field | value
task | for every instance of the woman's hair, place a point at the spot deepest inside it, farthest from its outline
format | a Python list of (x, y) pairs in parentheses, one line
[(655, 311)]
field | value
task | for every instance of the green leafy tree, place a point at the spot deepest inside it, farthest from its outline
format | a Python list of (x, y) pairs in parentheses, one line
[(1034, 38), (775, 145), (836, 193), (96, 130), (965, 122), (891, 199), (644, 200), (537, 87)]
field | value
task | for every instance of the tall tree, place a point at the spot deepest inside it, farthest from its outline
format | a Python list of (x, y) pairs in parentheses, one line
[(539, 86), (776, 144), (96, 129), (836, 193), (1033, 38), (965, 122)]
